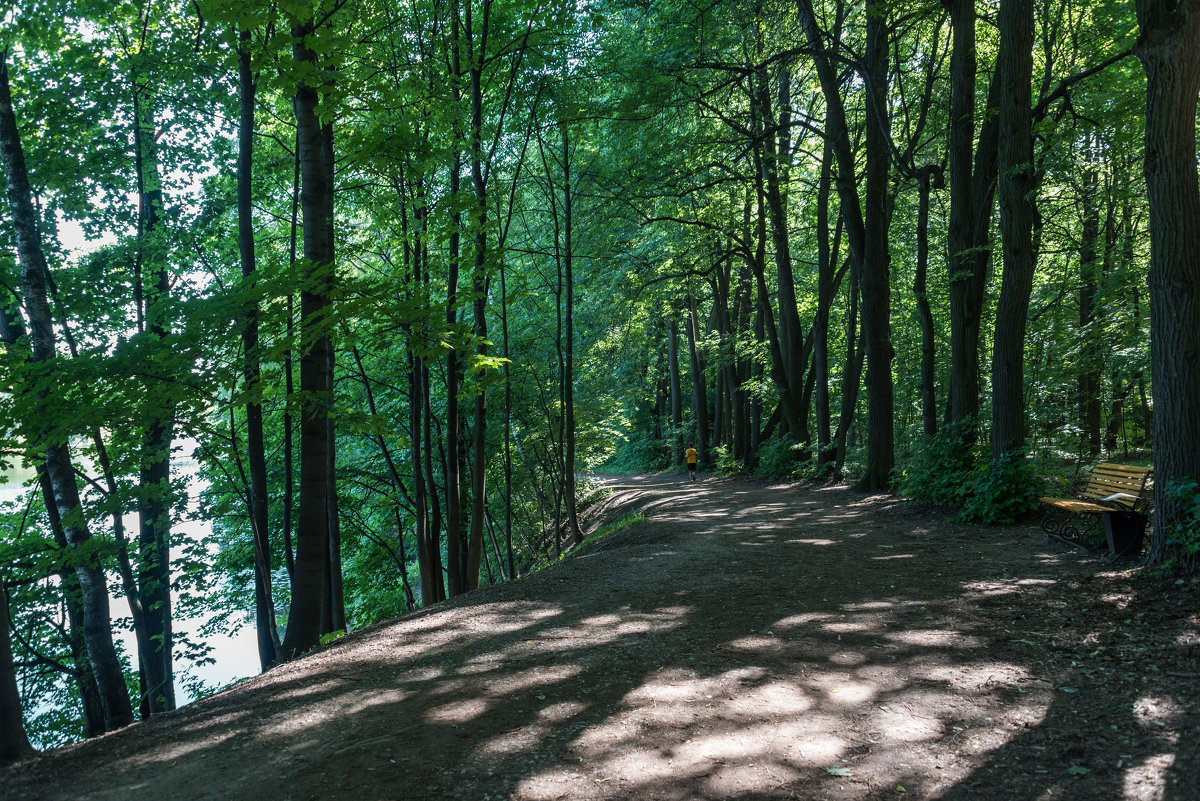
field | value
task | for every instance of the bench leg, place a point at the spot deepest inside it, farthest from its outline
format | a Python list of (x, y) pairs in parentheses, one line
[(1061, 525)]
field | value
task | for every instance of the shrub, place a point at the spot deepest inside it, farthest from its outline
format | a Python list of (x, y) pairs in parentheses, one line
[(937, 469), (999, 490), (726, 465), (779, 457), (1183, 533), (950, 470)]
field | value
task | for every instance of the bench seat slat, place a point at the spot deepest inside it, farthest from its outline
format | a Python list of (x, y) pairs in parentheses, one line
[(1083, 507), (1107, 479)]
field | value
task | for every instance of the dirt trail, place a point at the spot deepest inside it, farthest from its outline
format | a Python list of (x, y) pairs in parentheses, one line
[(747, 641)]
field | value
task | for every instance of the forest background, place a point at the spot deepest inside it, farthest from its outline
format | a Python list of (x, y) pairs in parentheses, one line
[(395, 274)]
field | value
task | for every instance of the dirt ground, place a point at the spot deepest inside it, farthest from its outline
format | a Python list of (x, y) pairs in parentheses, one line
[(747, 641)]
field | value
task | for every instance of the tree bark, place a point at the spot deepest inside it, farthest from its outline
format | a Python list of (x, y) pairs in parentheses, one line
[(929, 415), (256, 454), (1169, 48), (1017, 212), (699, 390), (676, 392), (575, 531), (876, 273), (1089, 287), (455, 550), (154, 493), (972, 189), (310, 580), (14, 745), (110, 679)]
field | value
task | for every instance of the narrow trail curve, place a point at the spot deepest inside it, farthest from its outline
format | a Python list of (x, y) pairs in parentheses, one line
[(747, 641)]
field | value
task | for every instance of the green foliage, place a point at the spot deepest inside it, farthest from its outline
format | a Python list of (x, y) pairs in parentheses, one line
[(332, 636), (1183, 532), (936, 469), (779, 457), (999, 490), (951, 471), (726, 465), (620, 524), (638, 452)]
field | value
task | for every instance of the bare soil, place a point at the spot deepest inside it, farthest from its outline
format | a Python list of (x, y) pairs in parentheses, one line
[(747, 641)]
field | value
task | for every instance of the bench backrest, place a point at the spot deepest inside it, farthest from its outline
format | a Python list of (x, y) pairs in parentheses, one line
[(1108, 479)]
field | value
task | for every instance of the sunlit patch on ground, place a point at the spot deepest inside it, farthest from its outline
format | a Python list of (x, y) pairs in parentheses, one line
[(720, 650)]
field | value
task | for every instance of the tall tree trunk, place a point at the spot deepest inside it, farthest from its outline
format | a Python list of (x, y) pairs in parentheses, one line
[(575, 531), (508, 432), (335, 620), (420, 506), (876, 274), (1017, 213), (256, 454), (837, 134), (964, 313), (1089, 288), (14, 745), (1169, 48), (97, 628), (820, 335), (310, 580), (154, 493), (972, 190), (782, 338), (85, 679), (699, 390), (929, 416), (455, 550), (11, 330), (676, 392)]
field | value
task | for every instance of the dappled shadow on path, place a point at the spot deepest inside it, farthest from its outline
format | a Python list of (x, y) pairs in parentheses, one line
[(746, 641)]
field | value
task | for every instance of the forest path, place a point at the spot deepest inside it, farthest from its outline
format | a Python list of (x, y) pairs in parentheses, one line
[(747, 641)]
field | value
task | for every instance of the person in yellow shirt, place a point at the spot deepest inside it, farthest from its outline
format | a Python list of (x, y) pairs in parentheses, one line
[(692, 456)]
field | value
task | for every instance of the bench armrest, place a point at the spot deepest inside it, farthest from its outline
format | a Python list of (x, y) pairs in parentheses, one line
[(1132, 502)]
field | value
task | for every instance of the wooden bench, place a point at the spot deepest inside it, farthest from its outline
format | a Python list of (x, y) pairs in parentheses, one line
[(1110, 488)]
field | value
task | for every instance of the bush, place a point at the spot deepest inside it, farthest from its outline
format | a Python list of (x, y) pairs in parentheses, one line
[(1183, 533), (937, 469), (779, 457), (726, 465), (999, 490), (638, 453), (949, 470)]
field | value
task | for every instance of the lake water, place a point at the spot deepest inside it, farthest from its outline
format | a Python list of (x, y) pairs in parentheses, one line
[(235, 654)]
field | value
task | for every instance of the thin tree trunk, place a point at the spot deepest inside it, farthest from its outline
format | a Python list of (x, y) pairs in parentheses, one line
[(676, 393), (576, 533), (508, 432), (1089, 287), (479, 284), (455, 555), (97, 628), (699, 391), (929, 415), (256, 455), (336, 600), (820, 335), (154, 496)]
